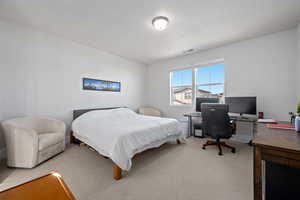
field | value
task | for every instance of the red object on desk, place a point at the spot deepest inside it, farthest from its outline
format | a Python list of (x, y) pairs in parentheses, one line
[(281, 126)]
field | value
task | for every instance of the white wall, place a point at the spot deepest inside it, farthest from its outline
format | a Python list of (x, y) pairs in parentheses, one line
[(41, 74), (264, 67)]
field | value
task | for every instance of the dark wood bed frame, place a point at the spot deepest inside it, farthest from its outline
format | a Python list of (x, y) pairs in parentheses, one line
[(117, 171)]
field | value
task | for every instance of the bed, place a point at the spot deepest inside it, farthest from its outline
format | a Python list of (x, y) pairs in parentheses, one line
[(120, 134)]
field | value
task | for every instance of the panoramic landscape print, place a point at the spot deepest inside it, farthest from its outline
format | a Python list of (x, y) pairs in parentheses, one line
[(101, 85)]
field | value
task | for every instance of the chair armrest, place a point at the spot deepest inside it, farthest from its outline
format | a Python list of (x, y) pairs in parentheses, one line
[(17, 131), (59, 126), (25, 131), (21, 146), (233, 126)]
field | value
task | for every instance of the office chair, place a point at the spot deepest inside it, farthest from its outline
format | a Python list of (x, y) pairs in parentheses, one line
[(199, 101), (216, 124)]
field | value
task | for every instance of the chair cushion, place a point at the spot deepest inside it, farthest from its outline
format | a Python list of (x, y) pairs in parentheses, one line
[(48, 139)]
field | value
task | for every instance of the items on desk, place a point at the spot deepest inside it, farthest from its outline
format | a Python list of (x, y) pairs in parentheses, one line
[(260, 115), (281, 126), (268, 121), (297, 119), (293, 116), (297, 124)]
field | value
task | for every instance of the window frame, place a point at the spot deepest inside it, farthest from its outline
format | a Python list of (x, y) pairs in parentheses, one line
[(194, 80), (170, 87)]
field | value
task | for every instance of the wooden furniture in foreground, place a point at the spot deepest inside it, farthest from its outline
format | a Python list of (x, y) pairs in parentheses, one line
[(280, 148), (49, 187)]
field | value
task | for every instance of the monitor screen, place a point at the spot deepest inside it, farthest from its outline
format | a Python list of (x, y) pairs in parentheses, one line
[(199, 101), (241, 105)]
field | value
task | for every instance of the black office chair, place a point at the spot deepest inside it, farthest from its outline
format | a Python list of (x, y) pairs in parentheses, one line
[(199, 101), (216, 124)]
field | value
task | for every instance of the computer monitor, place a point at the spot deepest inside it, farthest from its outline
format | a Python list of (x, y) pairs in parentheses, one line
[(200, 100), (241, 105)]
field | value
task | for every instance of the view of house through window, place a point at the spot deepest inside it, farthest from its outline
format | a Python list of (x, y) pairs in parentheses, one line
[(209, 82), (181, 87)]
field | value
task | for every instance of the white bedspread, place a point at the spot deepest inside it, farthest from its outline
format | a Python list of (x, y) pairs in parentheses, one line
[(121, 133)]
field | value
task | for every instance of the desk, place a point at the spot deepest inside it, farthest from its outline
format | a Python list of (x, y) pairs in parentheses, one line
[(276, 146), (190, 117)]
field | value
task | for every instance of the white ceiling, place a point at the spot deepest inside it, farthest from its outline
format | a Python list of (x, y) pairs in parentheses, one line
[(123, 27)]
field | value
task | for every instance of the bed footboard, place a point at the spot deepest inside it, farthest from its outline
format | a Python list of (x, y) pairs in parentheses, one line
[(117, 171)]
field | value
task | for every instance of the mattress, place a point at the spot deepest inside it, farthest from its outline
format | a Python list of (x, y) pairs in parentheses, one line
[(121, 133)]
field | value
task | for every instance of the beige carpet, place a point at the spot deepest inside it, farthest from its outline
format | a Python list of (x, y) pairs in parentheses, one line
[(177, 172)]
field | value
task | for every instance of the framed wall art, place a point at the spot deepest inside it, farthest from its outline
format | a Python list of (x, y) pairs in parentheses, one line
[(101, 85)]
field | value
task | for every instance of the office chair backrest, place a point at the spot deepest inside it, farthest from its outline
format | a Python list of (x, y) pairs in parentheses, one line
[(215, 120)]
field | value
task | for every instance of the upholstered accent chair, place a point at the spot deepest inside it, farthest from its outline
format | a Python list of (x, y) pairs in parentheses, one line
[(32, 140), (149, 111)]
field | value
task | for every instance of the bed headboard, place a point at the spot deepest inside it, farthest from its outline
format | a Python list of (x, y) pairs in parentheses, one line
[(77, 113)]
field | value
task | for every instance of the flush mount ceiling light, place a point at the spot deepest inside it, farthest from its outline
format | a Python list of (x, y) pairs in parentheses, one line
[(160, 23)]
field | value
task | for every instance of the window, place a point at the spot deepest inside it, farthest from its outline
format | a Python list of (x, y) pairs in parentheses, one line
[(208, 83), (181, 87)]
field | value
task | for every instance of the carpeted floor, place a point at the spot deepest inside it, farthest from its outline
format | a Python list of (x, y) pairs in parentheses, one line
[(177, 172)]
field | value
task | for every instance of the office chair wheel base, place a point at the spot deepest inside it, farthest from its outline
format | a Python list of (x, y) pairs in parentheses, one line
[(220, 154), (233, 150)]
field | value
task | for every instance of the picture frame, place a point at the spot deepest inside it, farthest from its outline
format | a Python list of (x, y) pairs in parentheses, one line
[(101, 85)]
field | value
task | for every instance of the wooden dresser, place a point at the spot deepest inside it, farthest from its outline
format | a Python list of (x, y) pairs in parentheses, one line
[(49, 187), (274, 147)]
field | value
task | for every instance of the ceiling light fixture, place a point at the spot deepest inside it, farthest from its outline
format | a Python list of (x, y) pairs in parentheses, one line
[(160, 23)]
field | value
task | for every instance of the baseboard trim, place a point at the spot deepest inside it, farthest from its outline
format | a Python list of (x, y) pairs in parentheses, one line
[(2, 154)]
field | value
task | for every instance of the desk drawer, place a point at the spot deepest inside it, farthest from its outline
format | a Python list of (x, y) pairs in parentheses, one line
[(281, 157)]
